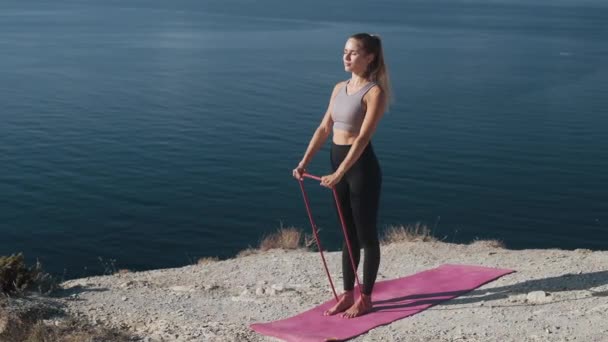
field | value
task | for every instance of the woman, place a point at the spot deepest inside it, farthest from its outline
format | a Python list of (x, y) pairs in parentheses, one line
[(354, 110)]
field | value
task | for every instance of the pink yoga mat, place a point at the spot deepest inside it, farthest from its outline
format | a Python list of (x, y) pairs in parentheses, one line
[(392, 299)]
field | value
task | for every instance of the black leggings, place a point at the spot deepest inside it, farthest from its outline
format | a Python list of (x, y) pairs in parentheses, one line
[(359, 196)]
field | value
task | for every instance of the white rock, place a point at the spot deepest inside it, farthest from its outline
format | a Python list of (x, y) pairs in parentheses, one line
[(278, 287), (180, 288), (538, 297), (127, 285)]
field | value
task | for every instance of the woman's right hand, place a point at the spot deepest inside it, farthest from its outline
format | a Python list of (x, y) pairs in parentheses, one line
[(298, 172)]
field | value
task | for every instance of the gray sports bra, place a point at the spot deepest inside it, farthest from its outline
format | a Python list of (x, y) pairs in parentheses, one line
[(347, 112)]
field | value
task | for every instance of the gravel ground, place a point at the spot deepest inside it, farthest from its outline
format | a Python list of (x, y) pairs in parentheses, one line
[(554, 295)]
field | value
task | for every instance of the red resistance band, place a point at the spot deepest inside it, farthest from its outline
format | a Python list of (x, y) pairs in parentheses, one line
[(316, 234)]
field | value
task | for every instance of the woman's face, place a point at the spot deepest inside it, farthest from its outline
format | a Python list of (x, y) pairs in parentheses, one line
[(355, 58)]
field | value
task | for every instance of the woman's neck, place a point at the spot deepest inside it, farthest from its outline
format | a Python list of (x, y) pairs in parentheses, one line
[(358, 80)]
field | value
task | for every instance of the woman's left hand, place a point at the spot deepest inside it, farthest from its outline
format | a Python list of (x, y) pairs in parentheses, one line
[(330, 181)]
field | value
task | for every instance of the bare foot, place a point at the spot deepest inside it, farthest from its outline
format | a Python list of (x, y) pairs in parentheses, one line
[(361, 307), (346, 301)]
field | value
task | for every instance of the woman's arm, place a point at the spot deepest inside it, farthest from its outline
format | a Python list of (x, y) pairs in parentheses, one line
[(375, 110), (321, 133)]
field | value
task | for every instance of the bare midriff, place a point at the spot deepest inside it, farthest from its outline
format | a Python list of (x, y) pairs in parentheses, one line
[(342, 137)]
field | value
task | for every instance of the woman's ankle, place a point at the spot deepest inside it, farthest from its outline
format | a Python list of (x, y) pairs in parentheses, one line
[(348, 294), (366, 297)]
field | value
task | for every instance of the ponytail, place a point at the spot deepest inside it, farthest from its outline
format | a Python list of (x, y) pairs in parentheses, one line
[(377, 70)]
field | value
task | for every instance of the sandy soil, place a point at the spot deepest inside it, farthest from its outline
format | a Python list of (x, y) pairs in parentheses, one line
[(554, 295)]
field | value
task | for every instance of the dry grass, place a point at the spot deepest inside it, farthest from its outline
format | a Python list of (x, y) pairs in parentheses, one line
[(40, 318), (489, 243), (409, 233), (284, 238), (44, 319), (69, 330), (207, 260), (247, 252), (293, 238)]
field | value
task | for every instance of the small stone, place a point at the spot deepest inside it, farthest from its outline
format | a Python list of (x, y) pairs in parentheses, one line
[(259, 291), (127, 285), (181, 288), (124, 299), (538, 297), (278, 287)]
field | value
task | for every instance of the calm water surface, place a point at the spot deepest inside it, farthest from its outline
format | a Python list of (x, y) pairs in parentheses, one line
[(153, 133)]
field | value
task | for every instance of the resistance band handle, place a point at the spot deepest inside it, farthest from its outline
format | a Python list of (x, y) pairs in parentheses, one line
[(308, 175)]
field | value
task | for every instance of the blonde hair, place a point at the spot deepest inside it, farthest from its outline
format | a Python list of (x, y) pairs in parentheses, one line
[(377, 70)]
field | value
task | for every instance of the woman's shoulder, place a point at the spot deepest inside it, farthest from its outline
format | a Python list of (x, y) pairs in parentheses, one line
[(340, 84), (337, 87), (374, 89), (374, 92)]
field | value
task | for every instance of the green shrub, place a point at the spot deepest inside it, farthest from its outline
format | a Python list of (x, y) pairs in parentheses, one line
[(16, 277), (14, 274)]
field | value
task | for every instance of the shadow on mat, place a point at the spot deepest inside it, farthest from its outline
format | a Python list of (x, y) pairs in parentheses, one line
[(429, 299), (566, 282)]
